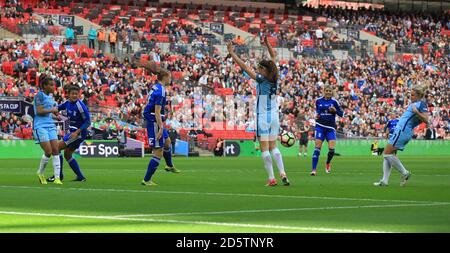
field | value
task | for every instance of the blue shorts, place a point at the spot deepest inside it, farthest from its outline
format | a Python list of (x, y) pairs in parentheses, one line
[(45, 134), (74, 143), (400, 138), (325, 133), (152, 131)]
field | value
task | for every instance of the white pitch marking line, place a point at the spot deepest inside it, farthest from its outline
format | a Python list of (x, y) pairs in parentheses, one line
[(280, 210), (223, 194), (223, 224)]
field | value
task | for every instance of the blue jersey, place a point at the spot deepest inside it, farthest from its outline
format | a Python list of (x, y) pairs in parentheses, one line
[(157, 96), (391, 125), (79, 116), (325, 117), (265, 95), (47, 101), (409, 120)]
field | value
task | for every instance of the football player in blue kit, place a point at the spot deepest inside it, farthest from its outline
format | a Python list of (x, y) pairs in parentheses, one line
[(80, 120), (154, 114), (390, 126), (326, 110)]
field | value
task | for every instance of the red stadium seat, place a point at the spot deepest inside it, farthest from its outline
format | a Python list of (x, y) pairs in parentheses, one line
[(177, 75), (163, 38), (273, 41), (307, 43), (8, 68)]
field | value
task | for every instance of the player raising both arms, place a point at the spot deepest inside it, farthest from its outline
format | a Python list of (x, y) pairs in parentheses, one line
[(326, 109), (267, 118), (415, 114), (44, 128), (80, 120), (158, 137)]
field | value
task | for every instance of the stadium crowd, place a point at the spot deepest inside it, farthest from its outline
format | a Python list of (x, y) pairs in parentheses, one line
[(405, 30), (368, 89)]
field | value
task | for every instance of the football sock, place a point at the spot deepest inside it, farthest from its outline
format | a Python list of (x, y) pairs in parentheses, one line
[(56, 166), (330, 155), (152, 166), (168, 156), (76, 168), (61, 163), (268, 164), (315, 158), (43, 164), (395, 162), (278, 160), (386, 169)]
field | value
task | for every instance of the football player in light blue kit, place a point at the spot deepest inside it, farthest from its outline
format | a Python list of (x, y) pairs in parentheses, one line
[(80, 120), (267, 111), (44, 128), (415, 114), (326, 110)]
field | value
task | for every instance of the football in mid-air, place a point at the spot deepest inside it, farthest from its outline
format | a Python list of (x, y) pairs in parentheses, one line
[(287, 139)]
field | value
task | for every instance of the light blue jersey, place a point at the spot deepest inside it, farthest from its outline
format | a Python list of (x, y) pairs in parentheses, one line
[(266, 95), (404, 130), (267, 118), (43, 121), (409, 120), (44, 128)]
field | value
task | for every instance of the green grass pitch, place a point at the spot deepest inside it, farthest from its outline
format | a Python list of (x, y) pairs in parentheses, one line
[(227, 195)]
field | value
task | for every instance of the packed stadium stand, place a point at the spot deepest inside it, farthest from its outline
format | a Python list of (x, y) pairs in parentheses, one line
[(371, 81)]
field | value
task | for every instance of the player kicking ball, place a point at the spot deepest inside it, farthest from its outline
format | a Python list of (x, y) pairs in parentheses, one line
[(80, 120), (415, 114)]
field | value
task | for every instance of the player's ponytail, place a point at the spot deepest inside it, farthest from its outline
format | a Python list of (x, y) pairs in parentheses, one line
[(42, 78)]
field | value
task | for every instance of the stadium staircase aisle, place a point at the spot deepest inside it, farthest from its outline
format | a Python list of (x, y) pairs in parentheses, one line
[(5, 34), (203, 152)]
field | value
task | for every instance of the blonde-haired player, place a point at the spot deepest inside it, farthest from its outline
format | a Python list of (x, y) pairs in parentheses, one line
[(415, 114)]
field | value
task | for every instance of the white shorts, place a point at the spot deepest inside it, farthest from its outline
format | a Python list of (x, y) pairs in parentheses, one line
[(267, 126)]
